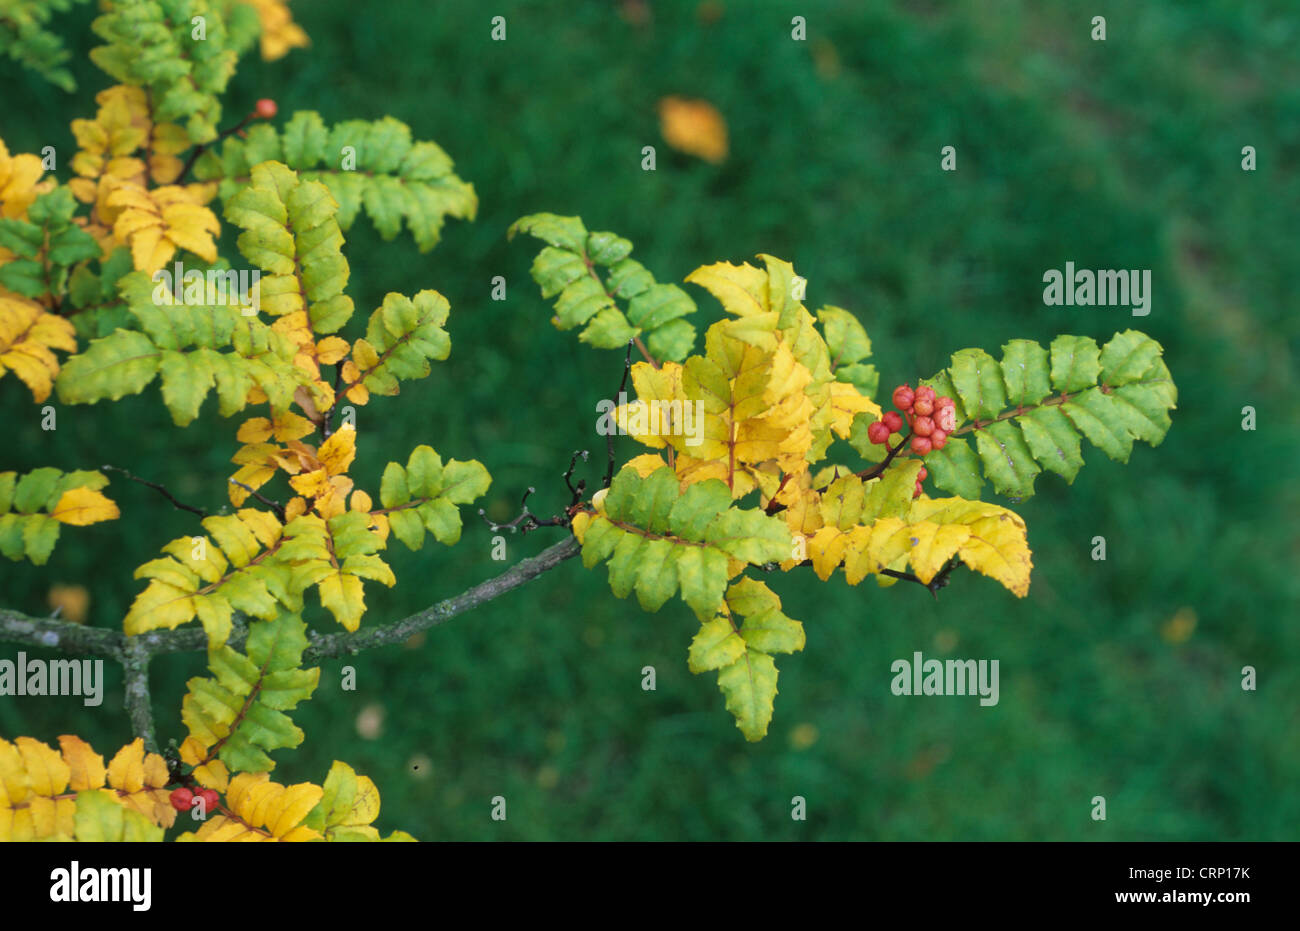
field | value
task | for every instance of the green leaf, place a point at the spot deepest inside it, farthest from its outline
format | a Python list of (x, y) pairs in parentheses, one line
[(956, 468), (290, 232), (150, 45), (749, 685), (1113, 395), (241, 707), (1025, 371), (406, 333), (978, 379), (427, 493), (1075, 362), (116, 365), (370, 165), (101, 817), (661, 539), (1008, 461), (565, 269), (1053, 441)]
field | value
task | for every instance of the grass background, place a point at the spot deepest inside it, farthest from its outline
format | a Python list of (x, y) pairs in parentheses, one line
[(1117, 154)]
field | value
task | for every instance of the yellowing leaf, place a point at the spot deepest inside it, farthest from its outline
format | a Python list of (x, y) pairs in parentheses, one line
[(20, 182), (44, 793), (28, 336), (262, 811), (997, 545), (279, 32), (694, 127), (155, 223), (70, 601), (213, 774), (82, 506), (140, 780), (85, 766)]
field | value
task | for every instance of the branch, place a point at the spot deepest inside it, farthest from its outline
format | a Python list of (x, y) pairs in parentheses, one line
[(940, 579), (139, 705), (867, 474), (273, 505), (325, 646), (51, 634), (156, 487), (134, 652)]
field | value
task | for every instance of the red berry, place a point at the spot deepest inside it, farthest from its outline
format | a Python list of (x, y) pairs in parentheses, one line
[(923, 426), (917, 493), (920, 476), (938, 438), (925, 393), (903, 397), (265, 108), (920, 445), (181, 799), (210, 799), (945, 418), (922, 408), (878, 433), (894, 421)]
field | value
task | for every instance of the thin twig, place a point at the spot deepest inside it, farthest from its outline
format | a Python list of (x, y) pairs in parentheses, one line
[(273, 505), (581, 487), (609, 436), (526, 520), (203, 147), (868, 474), (158, 488)]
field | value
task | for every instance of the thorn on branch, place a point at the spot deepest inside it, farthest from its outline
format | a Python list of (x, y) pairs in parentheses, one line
[(156, 487)]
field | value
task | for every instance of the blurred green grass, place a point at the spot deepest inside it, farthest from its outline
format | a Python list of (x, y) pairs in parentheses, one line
[(1122, 154)]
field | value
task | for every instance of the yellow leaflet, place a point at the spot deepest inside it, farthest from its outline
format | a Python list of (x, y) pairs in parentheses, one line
[(82, 506)]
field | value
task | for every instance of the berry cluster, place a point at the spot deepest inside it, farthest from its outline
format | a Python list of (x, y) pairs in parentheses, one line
[(182, 798), (932, 417)]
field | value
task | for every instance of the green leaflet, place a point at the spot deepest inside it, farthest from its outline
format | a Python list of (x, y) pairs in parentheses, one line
[(24, 38), (240, 709), (349, 803), (290, 232), (101, 817), (424, 495), (27, 529), (659, 540), (46, 245), (184, 343), (334, 556), (1030, 409), (742, 655), (848, 344), (238, 570), (402, 336), (374, 165), (151, 45), (566, 268), (100, 310)]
